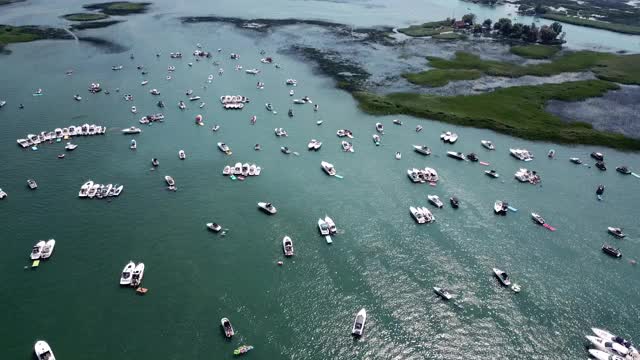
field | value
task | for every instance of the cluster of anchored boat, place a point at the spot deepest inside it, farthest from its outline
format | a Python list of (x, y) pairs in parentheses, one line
[(42, 250), (426, 175), (132, 275), (61, 133), (449, 137), (152, 118), (233, 101), (607, 346), (524, 175), (327, 228), (240, 169), (422, 215), (91, 190)]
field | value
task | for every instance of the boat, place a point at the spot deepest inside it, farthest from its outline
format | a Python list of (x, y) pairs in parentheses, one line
[(214, 227), (417, 215), (144, 82), (376, 139), (379, 128), (422, 149), (500, 207), (93, 190), (2, 103), (453, 138), (600, 165), (456, 155), (155, 162), (472, 157), (600, 190), (133, 145), (258, 170), (182, 155), (137, 275), (117, 189), (358, 323), (85, 188), (32, 184), (617, 232), (492, 173), (131, 130), (418, 128), (224, 148), (181, 105), (285, 150), (398, 155), (77, 97), (227, 327), (36, 251), (287, 246), (521, 154), (299, 101), (267, 207), (252, 170), (502, 276), (435, 200), (169, 180), (622, 169), (252, 71), (605, 335), (269, 107), (125, 278), (551, 154), (237, 169), (202, 104), (242, 350), (314, 145), (397, 122), (290, 113), (134, 109), (330, 224), (603, 355), (257, 147), (194, 98), (328, 168), (117, 67), (323, 227), (537, 219), (346, 146), (455, 203), (43, 351), (610, 250), (2, 194), (608, 346), (293, 82), (488, 144), (575, 160), (215, 128), (47, 250), (156, 92), (597, 156), (524, 175), (443, 293)]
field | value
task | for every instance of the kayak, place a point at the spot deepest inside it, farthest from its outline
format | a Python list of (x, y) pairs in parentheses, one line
[(242, 350)]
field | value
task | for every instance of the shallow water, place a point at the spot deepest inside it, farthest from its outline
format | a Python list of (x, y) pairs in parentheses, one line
[(380, 260)]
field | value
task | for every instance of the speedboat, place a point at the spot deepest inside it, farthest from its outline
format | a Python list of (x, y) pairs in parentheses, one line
[(155, 162), (93, 190), (47, 250), (257, 147), (428, 216), (502, 276), (144, 82), (169, 180), (608, 346), (117, 67), (226, 327), (156, 92), (397, 122), (287, 246), (2, 194), (600, 165), (521, 154), (443, 293), (537, 218), (376, 139), (456, 155), (575, 160), (603, 355), (622, 169), (323, 227), (131, 130), (267, 207), (215, 128), (32, 184), (125, 278), (291, 82), (417, 215), (181, 105), (488, 144), (2, 103), (358, 324), (290, 113), (611, 251), (299, 101), (617, 232), (214, 227), (252, 71), (43, 351), (398, 155), (237, 169), (418, 128), (137, 275), (422, 149), (269, 107), (189, 92), (133, 145), (346, 146), (244, 348), (597, 156), (492, 173), (435, 200), (600, 190), (472, 157), (453, 138), (415, 175), (328, 168), (291, 92), (77, 97), (500, 207), (379, 128), (202, 104), (605, 335), (182, 155), (285, 150), (224, 148), (85, 188), (454, 202), (134, 109), (36, 251), (330, 224), (117, 189), (551, 154), (227, 170)]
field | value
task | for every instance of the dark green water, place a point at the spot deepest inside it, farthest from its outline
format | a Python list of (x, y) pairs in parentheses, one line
[(380, 260)]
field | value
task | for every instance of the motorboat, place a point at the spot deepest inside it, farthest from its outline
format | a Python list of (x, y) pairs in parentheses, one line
[(117, 67), (93, 190), (328, 168), (169, 180), (398, 155), (472, 157), (267, 207), (428, 216), (227, 170), (418, 128), (346, 146), (202, 104), (611, 251), (125, 278), (144, 82), (287, 246), (537, 218), (603, 355), (500, 207), (622, 169), (455, 155), (292, 82), (134, 109), (227, 327), (77, 97), (600, 190), (36, 251), (224, 148), (453, 138), (290, 113), (608, 346), (32, 184), (137, 275), (379, 128), (330, 224), (600, 165), (2, 194), (455, 203), (285, 150), (443, 293), (2, 103), (244, 348), (417, 215), (156, 92), (237, 169), (252, 71), (131, 130), (597, 156), (358, 323), (575, 160), (133, 145), (182, 155), (252, 170), (435, 200), (291, 92), (215, 128), (43, 351), (376, 139), (257, 147), (84, 189), (524, 175), (551, 154), (422, 149), (307, 100), (415, 176), (323, 227), (182, 105), (258, 170), (492, 173), (521, 154), (502, 276), (445, 136), (488, 144), (617, 232), (280, 132), (299, 101), (397, 122), (605, 335), (269, 107), (155, 162), (117, 189), (214, 227)]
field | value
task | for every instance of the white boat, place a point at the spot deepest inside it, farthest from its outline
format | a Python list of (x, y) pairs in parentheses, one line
[(125, 278), (210, 77), (237, 169), (617, 232), (397, 122), (435, 200), (608, 346), (32, 184), (77, 97), (328, 168), (227, 327), (287, 246), (117, 190), (93, 190), (445, 136), (3, 103), (133, 145), (500, 207), (418, 128), (299, 101), (604, 334), (376, 139), (181, 105), (2, 194), (358, 323), (291, 92), (267, 207), (269, 106), (43, 351), (36, 251), (603, 355), (453, 138), (428, 216), (398, 155), (134, 109), (224, 148), (314, 144), (154, 92), (131, 130), (84, 189), (182, 155), (323, 227), (380, 128), (502, 276), (292, 82), (202, 104), (521, 154), (214, 227), (456, 155), (258, 170), (226, 170), (169, 180), (144, 82), (194, 98), (137, 275), (488, 144), (417, 215), (330, 224), (414, 175), (422, 149), (252, 71), (47, 249), (346, 146), (443, 293), (117, 67)]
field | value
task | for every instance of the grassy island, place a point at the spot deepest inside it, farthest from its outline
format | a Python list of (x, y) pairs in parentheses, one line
[(603, 25), (85, 16), (428, 29), (16, 34), (119, 7), (438, 77), (535, 51)]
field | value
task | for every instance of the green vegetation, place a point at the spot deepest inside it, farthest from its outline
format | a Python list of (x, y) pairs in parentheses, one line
[(428, 29), (621, 28), (437, 77), (449, 36), (119, 7), (517, 111), (16, 34), (535, 51), (94, 24), (85, 16)]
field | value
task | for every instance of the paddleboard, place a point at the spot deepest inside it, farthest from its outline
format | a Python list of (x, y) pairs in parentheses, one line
[(38, 94), (636, 175), (512, 208), (484, 163), (35, 263), (549, 227), (328, 239), (339, 176)]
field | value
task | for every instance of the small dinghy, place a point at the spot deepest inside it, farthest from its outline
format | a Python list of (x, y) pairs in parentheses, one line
[(358, 324), (214, 227), (227, 328)]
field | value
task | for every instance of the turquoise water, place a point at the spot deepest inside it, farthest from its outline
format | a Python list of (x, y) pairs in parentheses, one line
[(380, 260)]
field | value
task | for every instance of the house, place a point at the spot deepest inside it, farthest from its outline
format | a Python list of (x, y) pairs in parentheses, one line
[(459, 24)]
